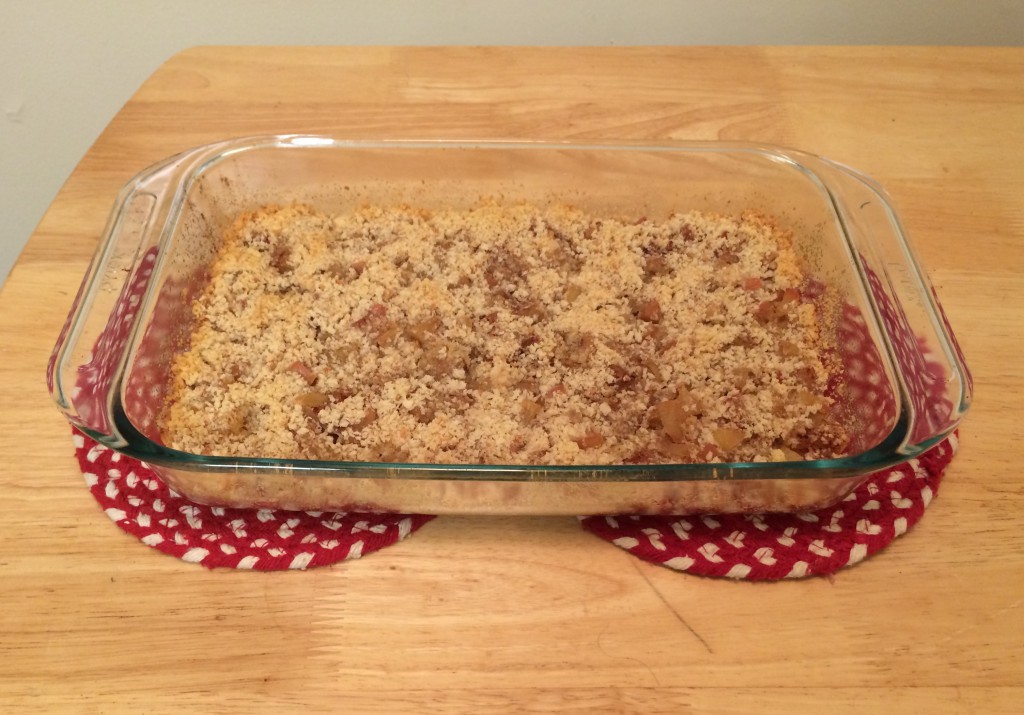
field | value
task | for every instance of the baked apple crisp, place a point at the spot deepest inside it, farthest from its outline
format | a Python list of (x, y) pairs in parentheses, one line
[(504, 334)]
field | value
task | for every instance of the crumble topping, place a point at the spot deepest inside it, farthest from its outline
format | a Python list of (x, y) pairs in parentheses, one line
[(503, 334)]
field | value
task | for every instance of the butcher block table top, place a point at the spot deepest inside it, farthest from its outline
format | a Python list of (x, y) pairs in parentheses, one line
[(532, 614)]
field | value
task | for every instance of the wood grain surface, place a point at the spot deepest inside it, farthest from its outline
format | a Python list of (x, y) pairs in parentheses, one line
[(489, 615)]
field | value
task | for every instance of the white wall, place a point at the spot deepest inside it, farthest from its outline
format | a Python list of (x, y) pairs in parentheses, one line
[(67, 66)]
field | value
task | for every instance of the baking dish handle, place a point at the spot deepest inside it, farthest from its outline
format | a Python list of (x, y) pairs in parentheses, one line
[(84, 371), (933, 374)]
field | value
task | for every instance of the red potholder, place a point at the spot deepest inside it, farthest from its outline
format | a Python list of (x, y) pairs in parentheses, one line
[(768, 547), (137, 500)]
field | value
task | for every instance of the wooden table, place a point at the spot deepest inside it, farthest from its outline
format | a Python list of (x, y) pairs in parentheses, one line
[(532, 614)]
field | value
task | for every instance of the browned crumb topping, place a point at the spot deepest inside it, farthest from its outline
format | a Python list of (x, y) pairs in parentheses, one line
[(503, 335)]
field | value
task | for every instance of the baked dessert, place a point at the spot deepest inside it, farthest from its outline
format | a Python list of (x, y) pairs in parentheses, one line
[(505, 334)]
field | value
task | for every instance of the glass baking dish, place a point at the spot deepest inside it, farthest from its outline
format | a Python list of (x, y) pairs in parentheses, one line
[(906, 383)]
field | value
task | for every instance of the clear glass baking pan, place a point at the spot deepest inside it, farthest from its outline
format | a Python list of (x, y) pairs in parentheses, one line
[(906, 385)]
